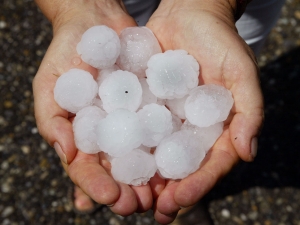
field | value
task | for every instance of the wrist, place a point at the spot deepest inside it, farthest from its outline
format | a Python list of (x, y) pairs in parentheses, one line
[(223, 9), (84, 12)]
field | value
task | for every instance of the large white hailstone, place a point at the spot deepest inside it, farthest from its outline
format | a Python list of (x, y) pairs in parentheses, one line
[(104, 73), (157, 123), (179, 155), (121, 89), (84, 129), (138, 44), (207, 135), (147, 97), (135, 168), (176, 106), (119, 133), (208, 104), (75, 90), (172, 74), (99, 47), (176, 122)]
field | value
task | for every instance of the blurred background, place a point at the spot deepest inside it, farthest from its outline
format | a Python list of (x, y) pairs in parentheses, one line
[(34, 187)]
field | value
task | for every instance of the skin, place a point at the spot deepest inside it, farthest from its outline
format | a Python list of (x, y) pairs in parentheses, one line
[(203, 28), (208, 33)]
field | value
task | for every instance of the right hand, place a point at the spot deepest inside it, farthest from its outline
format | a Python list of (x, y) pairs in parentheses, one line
[(89, 172)]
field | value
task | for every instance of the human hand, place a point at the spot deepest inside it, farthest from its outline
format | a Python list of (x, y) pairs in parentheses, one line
[(89, 172), (206, 30)]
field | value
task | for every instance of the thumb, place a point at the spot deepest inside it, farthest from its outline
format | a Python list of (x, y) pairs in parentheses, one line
[(248, 118)]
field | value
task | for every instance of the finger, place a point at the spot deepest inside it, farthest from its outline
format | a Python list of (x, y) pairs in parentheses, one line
[(218, 162), (248, 111), (127, 203), (166, 203), (162, 218), (144, 197), (53, 124), (86, 172), (52, 121), (157, 184)]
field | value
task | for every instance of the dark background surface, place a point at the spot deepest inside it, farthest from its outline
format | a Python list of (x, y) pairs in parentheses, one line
[(34, 188)]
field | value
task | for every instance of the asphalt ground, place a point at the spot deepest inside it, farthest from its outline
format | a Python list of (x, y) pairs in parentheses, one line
[(34, 187)]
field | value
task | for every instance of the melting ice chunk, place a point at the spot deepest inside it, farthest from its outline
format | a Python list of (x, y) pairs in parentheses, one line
[(179, 155), (99, 47), (138, 44), (121, 89), (84, 125), (207, 135), (135, 168), (75, 90), (119, 133), (157, 123), (208, 104), (172, 74)]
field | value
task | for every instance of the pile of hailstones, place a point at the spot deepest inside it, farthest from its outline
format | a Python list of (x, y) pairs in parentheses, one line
[(137, 104)]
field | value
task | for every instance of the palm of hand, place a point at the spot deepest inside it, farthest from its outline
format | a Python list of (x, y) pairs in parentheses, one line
[(225, 60), (89, 172)]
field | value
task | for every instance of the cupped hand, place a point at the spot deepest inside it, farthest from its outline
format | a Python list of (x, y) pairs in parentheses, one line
[(89, 172), (206, 30)]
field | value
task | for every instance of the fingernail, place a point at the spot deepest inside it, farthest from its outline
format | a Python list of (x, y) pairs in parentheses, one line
[(253, 152), (181, 207), (60, 152), (111, 205)]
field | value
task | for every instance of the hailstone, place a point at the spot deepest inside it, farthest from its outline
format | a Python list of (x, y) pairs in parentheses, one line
[(208, 104), (119, 132), (135, 168), (138, 44), (121, 89), (172, 74), (75, 90), (179, 155), (99, 47)]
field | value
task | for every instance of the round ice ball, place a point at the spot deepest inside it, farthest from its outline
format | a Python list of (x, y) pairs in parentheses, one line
[(75, 90), (208, 104), (138, 44), (179, 155), (207, 135), (157, 123), (121, 89), (84, 125), (135, 168), (172, 74), (119, 133), (99, 47)]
